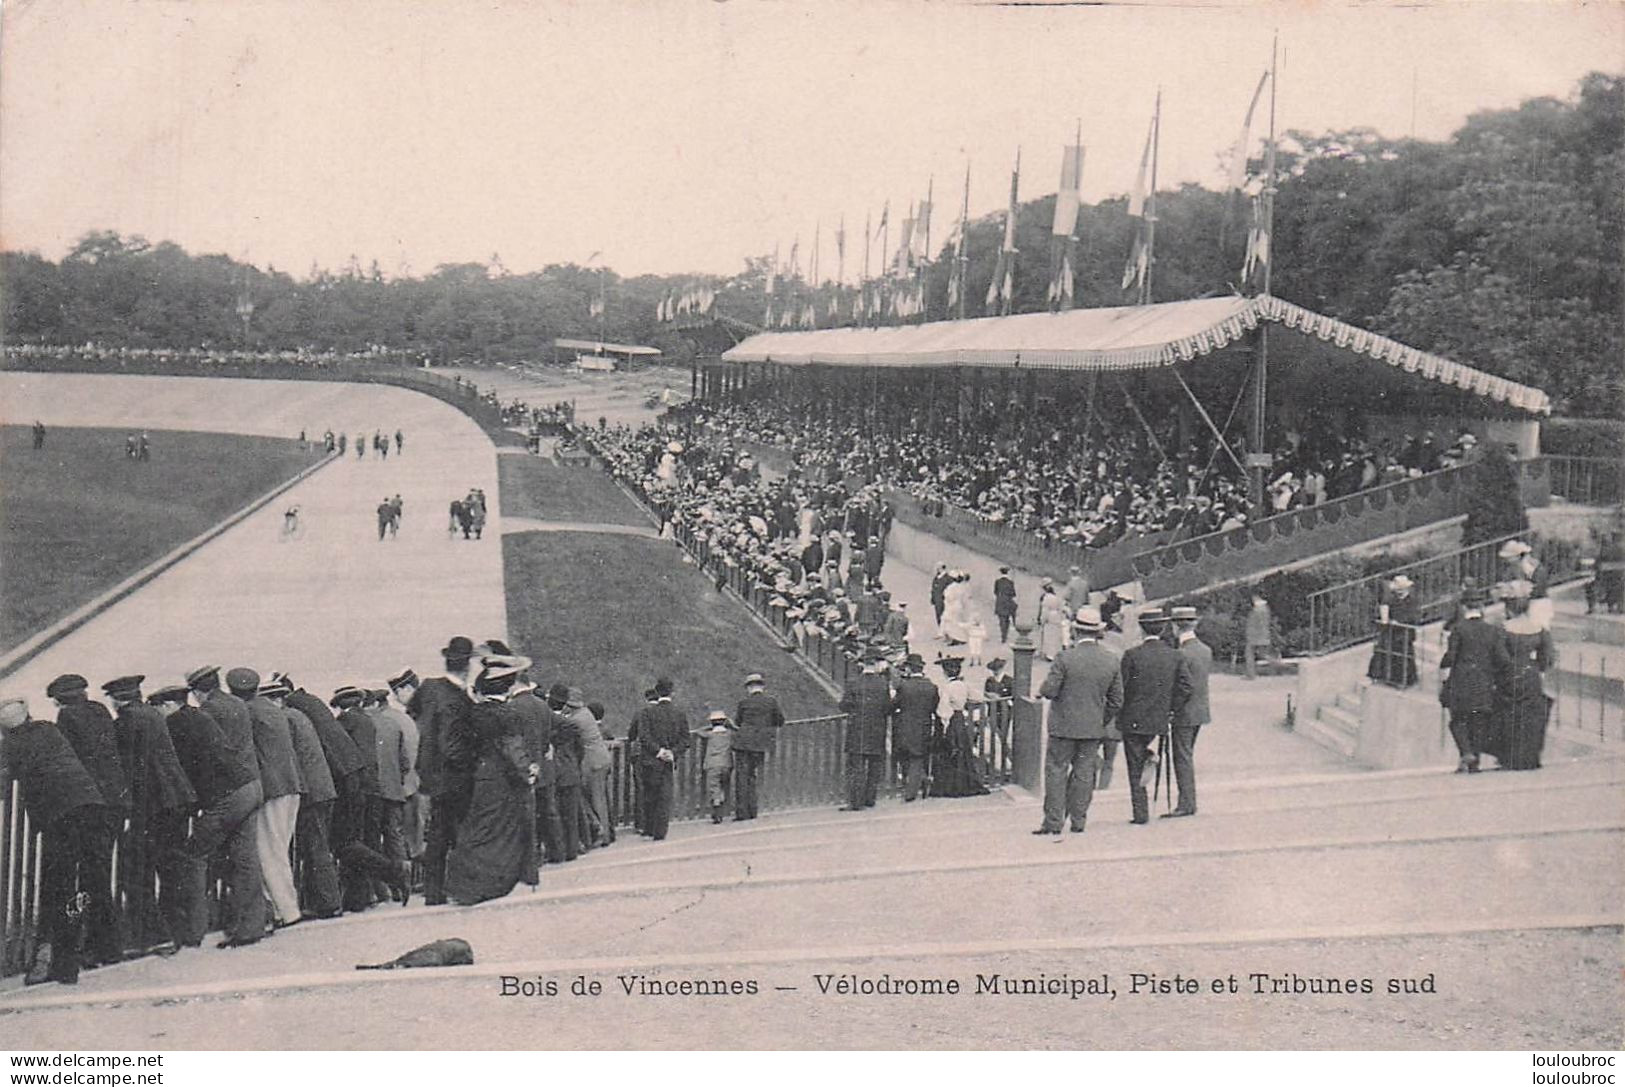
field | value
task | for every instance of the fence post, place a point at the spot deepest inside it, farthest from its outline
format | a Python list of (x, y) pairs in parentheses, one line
[(1026, 718)]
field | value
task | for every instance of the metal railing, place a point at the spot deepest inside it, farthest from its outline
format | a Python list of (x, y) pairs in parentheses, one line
[(1587, 481), (1346, 614), (1304, 533)]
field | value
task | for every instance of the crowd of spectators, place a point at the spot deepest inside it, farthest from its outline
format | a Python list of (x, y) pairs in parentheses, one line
[(106, 356), (1042, 472)]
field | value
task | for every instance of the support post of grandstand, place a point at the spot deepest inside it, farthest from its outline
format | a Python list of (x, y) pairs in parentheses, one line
[(1027, 721)]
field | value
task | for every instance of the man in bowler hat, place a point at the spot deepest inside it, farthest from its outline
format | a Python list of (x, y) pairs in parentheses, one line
[(1156, 686)]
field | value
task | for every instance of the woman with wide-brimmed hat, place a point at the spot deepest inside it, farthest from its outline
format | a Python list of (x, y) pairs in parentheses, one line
[(495, 847), (1393, 661), (1522, 704)]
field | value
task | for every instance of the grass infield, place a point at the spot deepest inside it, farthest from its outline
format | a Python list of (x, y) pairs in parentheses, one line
[(609, 613), (78, 517), (532, 487)]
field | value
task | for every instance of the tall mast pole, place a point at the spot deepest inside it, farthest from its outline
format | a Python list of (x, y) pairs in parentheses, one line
[(925, 257), (963, 256), (1151, 204), (1258, 456)]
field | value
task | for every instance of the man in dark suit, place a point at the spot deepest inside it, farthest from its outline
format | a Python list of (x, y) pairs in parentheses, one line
[(1156, 686), (61, 799), (662, 731), (567, 779), (867, 702), (1196, 711), (1085, 689), (526, 702), (1475, 656), (758, 718), (312, 829), (228, 793), (88, 728), (1004, 602), (912, 712), (445, 765), (161, 801), (356, 834)]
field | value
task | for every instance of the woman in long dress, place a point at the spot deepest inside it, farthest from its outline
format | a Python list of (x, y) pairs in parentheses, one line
[(1052, 616), (496, 839), (956, 609), (955, 769), (1522, 703)]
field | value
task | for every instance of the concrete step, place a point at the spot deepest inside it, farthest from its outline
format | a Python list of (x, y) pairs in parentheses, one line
[(1334, 728), (1351, 701)]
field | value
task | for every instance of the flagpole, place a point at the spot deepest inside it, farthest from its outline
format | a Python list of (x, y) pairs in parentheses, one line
[(1151, 204), (1257, 455), (964, 244)]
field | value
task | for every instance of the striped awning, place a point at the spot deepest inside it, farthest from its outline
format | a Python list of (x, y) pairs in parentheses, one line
[(1116, 338)]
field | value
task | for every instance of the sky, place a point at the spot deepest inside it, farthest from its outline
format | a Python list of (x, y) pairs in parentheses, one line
[(677, 136)]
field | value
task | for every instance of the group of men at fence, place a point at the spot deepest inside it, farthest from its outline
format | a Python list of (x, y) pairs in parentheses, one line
[(1156, 694), (307, 808)]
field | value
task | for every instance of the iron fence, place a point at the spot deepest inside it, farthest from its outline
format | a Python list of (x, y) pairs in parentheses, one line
[(1587, 481), (1346, 614)]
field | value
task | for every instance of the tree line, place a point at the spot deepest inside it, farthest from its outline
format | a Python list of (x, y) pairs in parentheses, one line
[(1500, 247)]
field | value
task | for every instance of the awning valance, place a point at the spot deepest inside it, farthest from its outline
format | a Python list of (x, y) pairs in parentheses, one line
[(1116, 338)]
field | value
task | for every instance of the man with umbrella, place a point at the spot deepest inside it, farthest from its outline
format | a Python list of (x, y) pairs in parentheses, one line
[(1156, 686)]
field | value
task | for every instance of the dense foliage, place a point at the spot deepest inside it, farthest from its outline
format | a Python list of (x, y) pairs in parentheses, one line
[(1500, 247)]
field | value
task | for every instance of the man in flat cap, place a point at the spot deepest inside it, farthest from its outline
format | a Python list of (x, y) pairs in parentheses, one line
[(228, 793), (356, 838), (759, 719), (319, 891), (402, 688), (161, 802), (867, 702), (912, 713), (1085, 691), (279, 777), (88, 728), (445, 761), (61, 799), (1196, 712), (1156, 686), (395, 761)]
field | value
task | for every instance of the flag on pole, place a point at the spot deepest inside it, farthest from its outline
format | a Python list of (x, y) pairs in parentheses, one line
[(1136, 199), (1258, 245), (1238, 154), (922, 233), (904, 260), (840, 252), (1001, 291), (1138, 260), (1064, 227)]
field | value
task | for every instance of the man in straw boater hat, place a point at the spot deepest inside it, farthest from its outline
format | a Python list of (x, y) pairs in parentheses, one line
[(759, 718), (1156, 686), (62, 801), (1085, 691), (1196, 711), (445, 762)]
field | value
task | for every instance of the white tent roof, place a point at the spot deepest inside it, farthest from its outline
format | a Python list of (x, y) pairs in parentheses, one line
[(1117, 338)]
